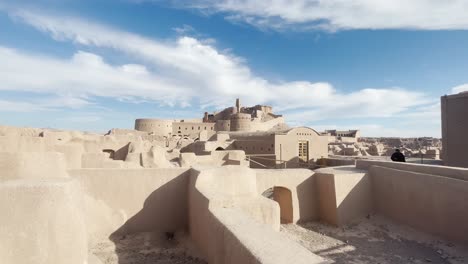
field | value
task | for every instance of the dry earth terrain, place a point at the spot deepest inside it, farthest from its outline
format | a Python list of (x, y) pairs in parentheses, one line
[(375, 240), (147, 248)]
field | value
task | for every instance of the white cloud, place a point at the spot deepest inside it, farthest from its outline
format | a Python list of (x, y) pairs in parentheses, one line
[(73, 79), (340, 14), (184, 29), (188, 68), (460, 88), (18, 106), (177, 72)]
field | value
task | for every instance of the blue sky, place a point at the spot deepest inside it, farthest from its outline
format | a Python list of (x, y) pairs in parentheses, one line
[(95, 65)]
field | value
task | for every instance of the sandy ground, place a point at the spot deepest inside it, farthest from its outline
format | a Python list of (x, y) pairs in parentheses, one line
[(147, 248), (375, 240)]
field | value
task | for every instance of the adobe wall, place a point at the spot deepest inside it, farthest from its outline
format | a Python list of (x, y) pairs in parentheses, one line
[(286, 146), (267, 125), (344, 194), (214, 159), (133, 200), (15, 143), (434, 204), (42, 222), (240, 122), (32, 165), (42, 210), (225, 229), (455, 129), (456, 173), (192, 128), (223, 125), (159, 127), (335, 162), (300, 182)]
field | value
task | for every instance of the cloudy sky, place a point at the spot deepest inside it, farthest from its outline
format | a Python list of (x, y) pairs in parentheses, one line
[(375, 65)]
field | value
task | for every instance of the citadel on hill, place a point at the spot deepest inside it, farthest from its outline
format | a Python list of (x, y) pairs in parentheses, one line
[(257, 118)]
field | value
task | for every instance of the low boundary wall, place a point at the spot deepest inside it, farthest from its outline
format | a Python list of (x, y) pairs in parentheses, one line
[(434, 204), (449, 172)]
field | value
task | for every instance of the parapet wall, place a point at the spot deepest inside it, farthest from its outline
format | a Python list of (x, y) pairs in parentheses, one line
[(407, 193), (334, 162), (434, 204), (214, 159), (450, 172)]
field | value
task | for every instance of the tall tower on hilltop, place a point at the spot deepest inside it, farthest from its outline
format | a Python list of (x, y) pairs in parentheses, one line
[(238, 106)]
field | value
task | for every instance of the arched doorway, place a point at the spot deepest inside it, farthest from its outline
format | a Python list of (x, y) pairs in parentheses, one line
[(219, 149), (283, 197)]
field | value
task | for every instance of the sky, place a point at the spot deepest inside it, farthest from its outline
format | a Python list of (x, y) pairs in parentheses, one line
[(375, 65)]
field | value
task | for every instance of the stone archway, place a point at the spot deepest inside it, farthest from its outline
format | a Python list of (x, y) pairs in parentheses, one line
[(219, 149)]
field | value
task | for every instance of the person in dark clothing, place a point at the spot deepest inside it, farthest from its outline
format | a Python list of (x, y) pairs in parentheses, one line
[(398, 156)]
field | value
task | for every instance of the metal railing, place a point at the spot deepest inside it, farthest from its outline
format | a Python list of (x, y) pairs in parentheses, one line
[(262, 157), (282, 163)]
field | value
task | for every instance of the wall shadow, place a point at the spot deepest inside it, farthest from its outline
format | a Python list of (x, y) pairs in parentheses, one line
[(358, 201), (308, 199), (283, 197), (121, 154), (158, 232)]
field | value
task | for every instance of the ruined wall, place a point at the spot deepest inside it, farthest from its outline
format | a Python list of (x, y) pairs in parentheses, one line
[(267, 125)]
